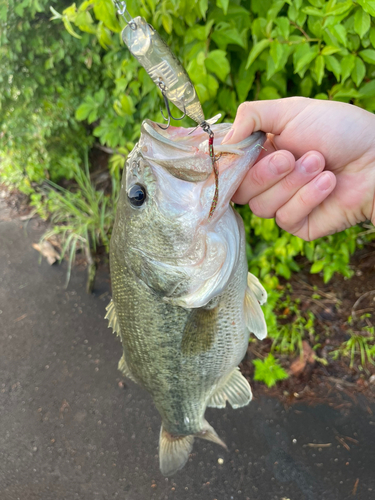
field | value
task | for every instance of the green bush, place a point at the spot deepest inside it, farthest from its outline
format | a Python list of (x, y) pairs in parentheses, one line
[(44, 72)]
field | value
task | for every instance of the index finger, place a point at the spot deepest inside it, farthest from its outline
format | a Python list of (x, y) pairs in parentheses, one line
[(269, 116)]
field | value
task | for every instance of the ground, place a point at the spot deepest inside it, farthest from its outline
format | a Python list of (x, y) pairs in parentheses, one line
[(71, 427)]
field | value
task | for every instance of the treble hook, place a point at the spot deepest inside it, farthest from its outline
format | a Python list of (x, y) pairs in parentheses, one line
[(122, 10), (166, 102)]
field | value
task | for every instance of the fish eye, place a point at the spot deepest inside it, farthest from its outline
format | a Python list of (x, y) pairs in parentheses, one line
[(137, 195)]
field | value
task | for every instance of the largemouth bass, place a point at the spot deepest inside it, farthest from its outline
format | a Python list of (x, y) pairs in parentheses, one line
[(183, 301)]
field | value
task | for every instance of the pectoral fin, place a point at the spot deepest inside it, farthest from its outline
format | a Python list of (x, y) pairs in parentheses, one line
[(112, 318), (124, 369), (254, 317), (235, 389)]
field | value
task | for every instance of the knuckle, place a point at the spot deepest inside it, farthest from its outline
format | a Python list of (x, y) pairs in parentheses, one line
[(243, 108), (282, 219), (288, 183), (257, 177), (259, 209), (303, 200)]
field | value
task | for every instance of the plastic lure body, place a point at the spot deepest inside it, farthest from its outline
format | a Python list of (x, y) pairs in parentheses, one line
[(146, 45)]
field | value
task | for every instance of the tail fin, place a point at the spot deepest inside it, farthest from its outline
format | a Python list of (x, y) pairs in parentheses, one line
[(173, 451)]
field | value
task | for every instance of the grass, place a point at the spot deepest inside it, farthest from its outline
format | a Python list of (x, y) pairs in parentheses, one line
[(82, 220), (360, 345)]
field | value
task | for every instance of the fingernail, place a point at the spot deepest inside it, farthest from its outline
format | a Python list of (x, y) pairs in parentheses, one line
[(279, 164), (324, 182), (228, 136), (311, 164)]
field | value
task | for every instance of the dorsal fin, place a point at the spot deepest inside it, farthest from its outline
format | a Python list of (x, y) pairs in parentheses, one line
[(112, 318)]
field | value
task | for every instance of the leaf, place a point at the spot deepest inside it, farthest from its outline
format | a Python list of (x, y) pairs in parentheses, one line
[(317, 266), (339, 31), (284, 26), (223, 4), (56, 15), (368, 55), (223, 36), (333, 65), (338, 8), (359, 71), (104, 11), (268, 93), (276, 51), (283, 270), (319, 69), (217, 63), (203, 6), (69, 28), (167, 23), (368, 89), (244, 81), (362, 22), (368, 6), (269, 371), (347, 65), (256, 50), (303, 57), (328, 273), (328, 50), (276, 6), (83, 111), (312, 11)]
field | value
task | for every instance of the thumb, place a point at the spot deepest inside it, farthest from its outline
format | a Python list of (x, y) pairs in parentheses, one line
[(269, 116)]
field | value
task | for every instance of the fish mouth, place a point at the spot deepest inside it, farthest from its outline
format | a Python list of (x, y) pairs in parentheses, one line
[(184, 153)]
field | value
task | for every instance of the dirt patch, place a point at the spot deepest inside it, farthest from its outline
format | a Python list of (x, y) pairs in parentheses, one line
[(332, 381)]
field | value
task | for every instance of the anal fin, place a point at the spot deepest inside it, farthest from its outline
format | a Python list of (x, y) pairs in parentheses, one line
[(235, 389), (112, 318), (124, 369)]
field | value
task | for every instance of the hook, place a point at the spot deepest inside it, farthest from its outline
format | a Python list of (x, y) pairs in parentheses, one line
[(166, 102)]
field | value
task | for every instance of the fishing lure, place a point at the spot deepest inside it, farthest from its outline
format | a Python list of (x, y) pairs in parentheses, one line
[(166, 71)]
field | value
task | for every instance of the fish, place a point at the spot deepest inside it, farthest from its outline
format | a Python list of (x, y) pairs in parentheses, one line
[(183, 302)]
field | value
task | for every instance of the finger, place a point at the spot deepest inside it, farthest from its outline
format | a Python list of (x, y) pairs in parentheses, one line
[(270, 116), (306, 168), (294, 215), (263, 175)]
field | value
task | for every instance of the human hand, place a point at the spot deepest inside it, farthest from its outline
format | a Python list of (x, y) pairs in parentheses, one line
[(304, 199)]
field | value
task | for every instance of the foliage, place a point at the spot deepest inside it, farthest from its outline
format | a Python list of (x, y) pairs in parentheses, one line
[(269, 371), (44, 72), (70, 82)]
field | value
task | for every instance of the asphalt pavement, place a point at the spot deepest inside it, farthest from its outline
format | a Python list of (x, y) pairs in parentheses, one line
[(72, 428)]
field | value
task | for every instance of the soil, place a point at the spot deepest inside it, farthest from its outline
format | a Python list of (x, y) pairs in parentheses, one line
[(331, 381)]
